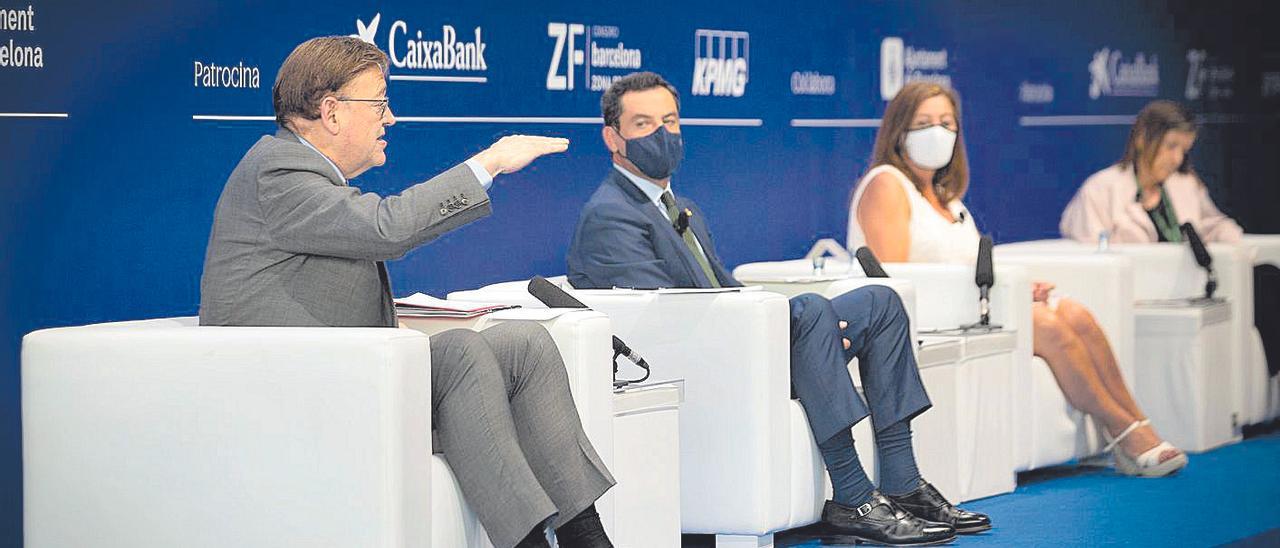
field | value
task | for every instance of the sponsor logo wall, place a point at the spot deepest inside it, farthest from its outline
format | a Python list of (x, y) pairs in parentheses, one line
[(20, 52), (1112, 74), (721, 62), (589, 56), (120, 123), (901, 63)]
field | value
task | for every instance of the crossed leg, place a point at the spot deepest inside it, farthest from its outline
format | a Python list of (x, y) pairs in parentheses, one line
[(1082, 362)]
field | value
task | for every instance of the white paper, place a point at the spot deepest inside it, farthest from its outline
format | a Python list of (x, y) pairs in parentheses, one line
[(422, 300), (533, 314), (807, 278), (695, 290)]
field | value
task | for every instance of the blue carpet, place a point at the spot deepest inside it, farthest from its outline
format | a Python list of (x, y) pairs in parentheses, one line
[(1229, 495)]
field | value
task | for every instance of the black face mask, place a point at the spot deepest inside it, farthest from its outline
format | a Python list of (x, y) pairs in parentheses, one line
[(657, 155)]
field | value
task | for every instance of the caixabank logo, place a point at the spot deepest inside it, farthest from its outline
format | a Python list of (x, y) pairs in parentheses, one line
[(721, 62), (589, 57), (1111, 75), (428, 56), (901, 63)]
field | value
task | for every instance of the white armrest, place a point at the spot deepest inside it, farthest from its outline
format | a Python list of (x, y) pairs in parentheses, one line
[(583, 338), (796, 277), (158, 433), (1266, 248), (733, 351)]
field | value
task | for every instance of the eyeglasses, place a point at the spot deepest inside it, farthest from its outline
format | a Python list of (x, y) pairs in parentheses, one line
[(379, 104)]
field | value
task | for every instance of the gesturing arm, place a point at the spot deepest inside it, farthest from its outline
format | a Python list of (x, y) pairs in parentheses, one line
[(304, 212)]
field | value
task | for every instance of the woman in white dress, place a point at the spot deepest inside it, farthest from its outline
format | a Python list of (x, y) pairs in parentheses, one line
[(907, 208)]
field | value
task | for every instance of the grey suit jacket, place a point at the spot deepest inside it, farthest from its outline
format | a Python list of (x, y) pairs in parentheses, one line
[(294, 245)]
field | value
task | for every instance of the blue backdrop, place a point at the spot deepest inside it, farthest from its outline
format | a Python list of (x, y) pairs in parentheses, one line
[(119, 125)]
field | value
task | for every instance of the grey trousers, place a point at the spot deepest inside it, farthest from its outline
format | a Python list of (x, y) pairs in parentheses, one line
[(505, 421)]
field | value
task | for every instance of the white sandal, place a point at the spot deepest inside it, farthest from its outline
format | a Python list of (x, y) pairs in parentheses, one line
[(1146, 465)]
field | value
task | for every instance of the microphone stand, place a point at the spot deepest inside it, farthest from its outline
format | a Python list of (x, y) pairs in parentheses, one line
[(985, 278)]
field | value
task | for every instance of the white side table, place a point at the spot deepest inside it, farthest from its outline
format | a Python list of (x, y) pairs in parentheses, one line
[(1184, 379)]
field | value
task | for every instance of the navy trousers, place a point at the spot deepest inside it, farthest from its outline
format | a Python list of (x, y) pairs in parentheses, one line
[(879, 332)]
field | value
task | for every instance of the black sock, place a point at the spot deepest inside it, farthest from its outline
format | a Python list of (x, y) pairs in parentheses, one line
[(583, 531), (898, 472), (848, 479), (537, 538)]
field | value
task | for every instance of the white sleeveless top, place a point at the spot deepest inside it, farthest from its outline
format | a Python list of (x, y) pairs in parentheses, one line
[(934, 239)]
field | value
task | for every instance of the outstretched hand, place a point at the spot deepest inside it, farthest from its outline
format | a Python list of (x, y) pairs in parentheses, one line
[(511, 153)]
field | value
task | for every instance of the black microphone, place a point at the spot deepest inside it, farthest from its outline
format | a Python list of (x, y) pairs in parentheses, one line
[(870, 265), (549, 294), (553, 297), (682, 221), (1202, 258), (985, 277)]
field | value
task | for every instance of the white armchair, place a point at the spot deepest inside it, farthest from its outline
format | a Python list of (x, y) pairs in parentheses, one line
[(748, 466), (965, 445), (936, 443), (162, 433), (1046, 430)]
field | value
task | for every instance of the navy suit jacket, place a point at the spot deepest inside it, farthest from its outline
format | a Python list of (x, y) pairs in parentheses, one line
[(622, 240)]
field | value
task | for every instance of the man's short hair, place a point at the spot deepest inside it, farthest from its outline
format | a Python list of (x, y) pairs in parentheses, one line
[(611, 101), (319, 67)]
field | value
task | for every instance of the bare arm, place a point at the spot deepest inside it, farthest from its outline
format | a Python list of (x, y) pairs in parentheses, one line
[(884, 214)]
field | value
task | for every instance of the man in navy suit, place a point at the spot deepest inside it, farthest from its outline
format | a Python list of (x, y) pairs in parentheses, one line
[(635, 232)]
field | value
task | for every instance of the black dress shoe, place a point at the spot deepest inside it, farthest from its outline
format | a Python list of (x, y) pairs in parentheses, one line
[(927, 503), (880, 521)]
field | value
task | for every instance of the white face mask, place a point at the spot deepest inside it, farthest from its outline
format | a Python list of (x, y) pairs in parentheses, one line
[(930, 147)]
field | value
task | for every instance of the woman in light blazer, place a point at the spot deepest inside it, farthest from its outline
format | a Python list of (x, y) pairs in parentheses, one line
[(1151, 191)]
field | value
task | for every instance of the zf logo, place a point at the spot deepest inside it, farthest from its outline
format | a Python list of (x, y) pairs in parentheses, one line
[(720, 62), (567, 47)]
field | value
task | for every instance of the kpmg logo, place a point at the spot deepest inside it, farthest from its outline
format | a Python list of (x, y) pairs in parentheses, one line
[(1208, 78), (414, 50), (1111, 75), (721, 62), (594, 54), (900, 63)]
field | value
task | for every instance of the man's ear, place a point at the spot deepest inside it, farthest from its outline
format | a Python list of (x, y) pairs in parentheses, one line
[(329, 118), (612, 139)]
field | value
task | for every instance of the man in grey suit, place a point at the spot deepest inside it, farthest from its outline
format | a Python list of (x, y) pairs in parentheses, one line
[(293, 244)]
